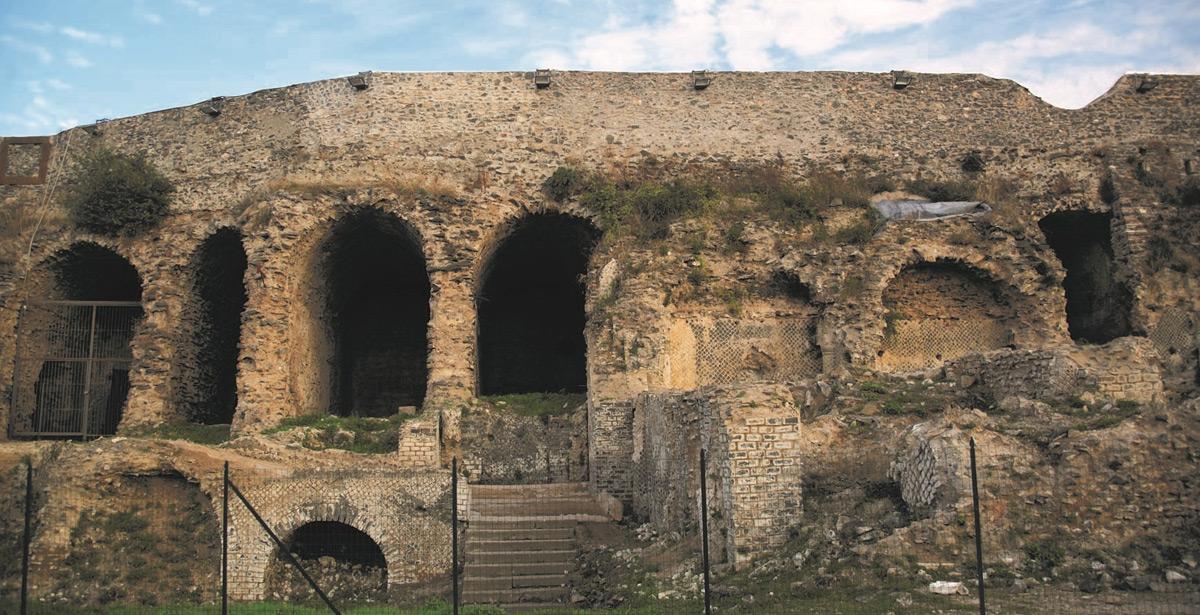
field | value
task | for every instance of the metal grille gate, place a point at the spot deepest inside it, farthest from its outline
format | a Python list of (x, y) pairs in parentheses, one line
[(72, 367)]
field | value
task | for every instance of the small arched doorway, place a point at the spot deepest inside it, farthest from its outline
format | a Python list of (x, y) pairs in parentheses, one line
[(530, 306), (343, 560), (74, 346)]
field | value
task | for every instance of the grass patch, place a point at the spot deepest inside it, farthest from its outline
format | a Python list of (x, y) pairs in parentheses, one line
[(1103, 419), (191, 432), (644, 207), (357, 434), (950, 190), (537, 404)]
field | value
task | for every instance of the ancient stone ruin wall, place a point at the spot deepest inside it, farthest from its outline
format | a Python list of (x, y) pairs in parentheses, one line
[(752, 437), (458, 158)]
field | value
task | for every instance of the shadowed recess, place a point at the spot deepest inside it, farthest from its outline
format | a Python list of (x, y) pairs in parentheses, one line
[(221, 295), (379, 304), (1098, 305), (531, 308)]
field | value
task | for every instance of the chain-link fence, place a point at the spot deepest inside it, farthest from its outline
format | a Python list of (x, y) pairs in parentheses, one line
[(247, 543)]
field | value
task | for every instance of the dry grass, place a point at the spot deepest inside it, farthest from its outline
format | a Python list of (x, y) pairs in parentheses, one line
[(401, 185), (397, 185), (18, 218)]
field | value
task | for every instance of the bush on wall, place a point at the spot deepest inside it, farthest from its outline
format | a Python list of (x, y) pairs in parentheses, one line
[(113, 193)]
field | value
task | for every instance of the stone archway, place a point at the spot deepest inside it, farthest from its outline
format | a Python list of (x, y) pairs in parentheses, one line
[(530, 307), (342, 559)]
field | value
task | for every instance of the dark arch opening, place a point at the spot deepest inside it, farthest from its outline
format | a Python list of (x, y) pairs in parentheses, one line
[(89, 272), (210, 387), (378, 302), (1098, 305), (342, 559), (531, 308), (83, 351)]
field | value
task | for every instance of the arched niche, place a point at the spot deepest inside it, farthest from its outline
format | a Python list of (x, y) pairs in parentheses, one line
[(530, 301)]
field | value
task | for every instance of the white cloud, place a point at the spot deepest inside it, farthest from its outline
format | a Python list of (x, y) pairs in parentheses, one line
[(40, 116), (78, 60), (753, 28), (1068, 68), (546, 58), (197, 7), (283, 27), (687, 39), (43, 55), (149, 17), (57, 84), (41, 27), (94, 38)]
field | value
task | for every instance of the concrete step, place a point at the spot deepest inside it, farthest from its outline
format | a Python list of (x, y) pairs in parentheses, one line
[(509, 523), (514, 596), (476, 518), (471, 583), (475, 545), (524, 607), (566, 556), (533, 533), (478, 491), (518, 569)]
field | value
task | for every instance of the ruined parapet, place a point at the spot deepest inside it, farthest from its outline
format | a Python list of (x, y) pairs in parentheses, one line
[(419, 445), (751, 434), (1124, 369), (1032, 374)]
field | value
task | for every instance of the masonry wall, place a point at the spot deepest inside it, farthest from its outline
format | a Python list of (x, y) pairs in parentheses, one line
[(752, 438), (494, 138)]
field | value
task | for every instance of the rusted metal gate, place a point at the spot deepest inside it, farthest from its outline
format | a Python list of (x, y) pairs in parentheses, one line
[(72, 367)]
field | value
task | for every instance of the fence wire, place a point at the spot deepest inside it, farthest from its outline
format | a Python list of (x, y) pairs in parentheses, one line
[(153, 544)]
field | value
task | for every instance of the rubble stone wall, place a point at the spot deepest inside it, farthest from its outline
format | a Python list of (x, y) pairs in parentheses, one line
[(281, 165)]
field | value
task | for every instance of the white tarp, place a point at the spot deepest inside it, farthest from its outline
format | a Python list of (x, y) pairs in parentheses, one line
[(924, 210)]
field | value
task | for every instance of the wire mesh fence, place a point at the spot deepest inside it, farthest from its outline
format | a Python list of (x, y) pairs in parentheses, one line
[(161, 544)]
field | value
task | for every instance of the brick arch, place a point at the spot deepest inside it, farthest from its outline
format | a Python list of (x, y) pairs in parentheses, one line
[(988, 320), (340, 510)]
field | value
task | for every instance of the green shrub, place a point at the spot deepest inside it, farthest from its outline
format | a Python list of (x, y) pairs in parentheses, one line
[(112, 193), (943, 190), (564, 183), (1187, 194), (1044, 554)]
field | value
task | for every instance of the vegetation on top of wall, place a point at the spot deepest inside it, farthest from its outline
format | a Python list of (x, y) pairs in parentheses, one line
[(537, 404), (644, 206), (947, 190), (191, 432), (357, 434), (112, 193)]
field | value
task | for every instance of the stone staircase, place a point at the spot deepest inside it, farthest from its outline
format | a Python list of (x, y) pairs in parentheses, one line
[(520, 542)]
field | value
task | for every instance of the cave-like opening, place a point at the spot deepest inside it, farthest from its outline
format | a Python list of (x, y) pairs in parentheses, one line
[(531, 308)]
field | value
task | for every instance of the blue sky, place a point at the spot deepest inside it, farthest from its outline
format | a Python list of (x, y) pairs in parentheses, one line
[(69, 62)]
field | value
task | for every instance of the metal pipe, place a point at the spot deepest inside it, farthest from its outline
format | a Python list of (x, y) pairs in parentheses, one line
[(454, 530), (225, 542), (26, 537), (978, 533), (704, 526)]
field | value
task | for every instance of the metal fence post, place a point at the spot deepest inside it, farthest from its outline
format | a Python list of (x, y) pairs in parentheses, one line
[(704, 526), (454, 531), (225, 541), (25, 537), (978, 532)]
